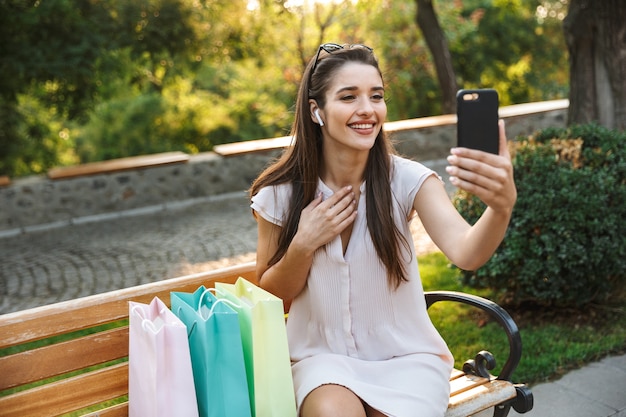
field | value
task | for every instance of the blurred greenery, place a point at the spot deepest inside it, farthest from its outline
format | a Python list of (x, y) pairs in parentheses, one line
[(566, 242), (88, 80)]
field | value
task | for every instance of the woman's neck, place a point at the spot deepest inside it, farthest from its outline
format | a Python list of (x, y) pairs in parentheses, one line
[(342, 169)]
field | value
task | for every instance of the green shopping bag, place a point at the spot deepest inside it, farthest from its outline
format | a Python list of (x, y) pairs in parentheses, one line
[(216, 353), (266, 353)]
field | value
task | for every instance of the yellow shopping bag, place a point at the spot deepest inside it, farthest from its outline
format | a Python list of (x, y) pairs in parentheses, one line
[(266, 353)]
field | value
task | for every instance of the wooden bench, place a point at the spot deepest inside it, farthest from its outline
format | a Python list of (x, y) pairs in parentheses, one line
[(117, 165), (73, 372)]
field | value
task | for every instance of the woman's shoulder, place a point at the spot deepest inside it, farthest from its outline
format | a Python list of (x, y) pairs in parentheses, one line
[(408, 176), (271, 195), (272, 201), (405, 166), (275, 189)]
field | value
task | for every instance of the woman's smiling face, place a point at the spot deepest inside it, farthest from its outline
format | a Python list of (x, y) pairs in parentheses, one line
[(355, 107)]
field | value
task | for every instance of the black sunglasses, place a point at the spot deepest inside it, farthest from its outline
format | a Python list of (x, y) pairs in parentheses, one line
[(329, 48)]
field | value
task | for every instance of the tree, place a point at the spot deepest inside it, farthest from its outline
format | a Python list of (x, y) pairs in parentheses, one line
[(438, 45), (594, 32), (48, 48), (61, 52), (84, 80)]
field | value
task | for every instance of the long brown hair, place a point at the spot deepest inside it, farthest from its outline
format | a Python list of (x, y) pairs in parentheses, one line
[(299, 166)]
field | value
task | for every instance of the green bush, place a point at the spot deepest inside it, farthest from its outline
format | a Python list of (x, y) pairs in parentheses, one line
[(566, 244)]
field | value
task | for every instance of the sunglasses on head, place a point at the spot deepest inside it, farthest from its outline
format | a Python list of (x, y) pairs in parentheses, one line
[(330, 48)]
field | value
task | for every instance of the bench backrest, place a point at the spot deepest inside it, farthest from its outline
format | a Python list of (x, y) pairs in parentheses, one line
[(74, 355)]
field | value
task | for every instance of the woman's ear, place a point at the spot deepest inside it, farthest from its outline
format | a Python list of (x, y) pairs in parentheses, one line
[(315, 113)]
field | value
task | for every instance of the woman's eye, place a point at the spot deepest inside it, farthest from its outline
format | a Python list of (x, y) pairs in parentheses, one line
[(378, 97), (348, 98)]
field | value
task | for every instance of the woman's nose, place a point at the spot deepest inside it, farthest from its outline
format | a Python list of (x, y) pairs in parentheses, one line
[(365, 107)]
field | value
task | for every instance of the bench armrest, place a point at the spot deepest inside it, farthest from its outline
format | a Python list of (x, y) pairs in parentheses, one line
[(485, 360), (500, 315)]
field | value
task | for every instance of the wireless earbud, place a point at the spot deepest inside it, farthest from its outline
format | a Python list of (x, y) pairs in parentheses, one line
[(317, 116)]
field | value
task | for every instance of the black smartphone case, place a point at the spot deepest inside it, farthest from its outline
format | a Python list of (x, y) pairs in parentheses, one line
[(477, 119)]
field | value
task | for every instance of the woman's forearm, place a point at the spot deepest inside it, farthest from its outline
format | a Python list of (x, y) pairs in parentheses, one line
[(482, 239), (288, 276)]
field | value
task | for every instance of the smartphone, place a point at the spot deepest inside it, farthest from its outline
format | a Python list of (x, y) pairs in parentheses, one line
[(477, 119)]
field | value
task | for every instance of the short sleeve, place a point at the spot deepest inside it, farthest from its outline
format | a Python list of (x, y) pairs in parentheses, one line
[(272, 203), (407, 179)]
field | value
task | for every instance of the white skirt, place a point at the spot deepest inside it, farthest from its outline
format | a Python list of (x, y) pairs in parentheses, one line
[(407, 386)]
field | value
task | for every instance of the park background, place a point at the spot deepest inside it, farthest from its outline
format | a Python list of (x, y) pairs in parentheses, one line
[(89, 80)]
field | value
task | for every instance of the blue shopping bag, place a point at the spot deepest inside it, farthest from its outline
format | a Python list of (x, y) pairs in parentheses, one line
[(216, 353)]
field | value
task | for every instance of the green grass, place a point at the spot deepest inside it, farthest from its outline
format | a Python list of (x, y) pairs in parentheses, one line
[(550, 347)]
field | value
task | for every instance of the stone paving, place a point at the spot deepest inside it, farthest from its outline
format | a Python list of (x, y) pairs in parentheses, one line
[(104, 254), (58, 264)]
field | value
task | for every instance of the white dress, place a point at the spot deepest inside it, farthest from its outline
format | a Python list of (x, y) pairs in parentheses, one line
[(349, 327)]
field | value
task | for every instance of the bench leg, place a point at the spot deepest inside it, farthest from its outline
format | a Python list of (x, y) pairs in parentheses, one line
[(523, 403), (501, 410)]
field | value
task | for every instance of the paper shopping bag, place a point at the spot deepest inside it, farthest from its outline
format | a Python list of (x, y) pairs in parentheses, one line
[(266, 352), (216, 353), (160, 379)]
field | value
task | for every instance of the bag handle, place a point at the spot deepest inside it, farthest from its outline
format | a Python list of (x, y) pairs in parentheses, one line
[(146, 324), (220, 293), (218, 301), (189, 330), (199, 311), (206, 291), (179, 312)]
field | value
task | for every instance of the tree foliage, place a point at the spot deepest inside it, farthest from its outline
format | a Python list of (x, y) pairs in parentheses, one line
[(566, 243), (85, 80)]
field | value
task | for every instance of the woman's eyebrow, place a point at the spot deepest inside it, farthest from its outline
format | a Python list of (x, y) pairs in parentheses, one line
[(353, 88)]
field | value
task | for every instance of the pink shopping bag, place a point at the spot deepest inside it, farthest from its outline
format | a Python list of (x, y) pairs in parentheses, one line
[(160, 379)]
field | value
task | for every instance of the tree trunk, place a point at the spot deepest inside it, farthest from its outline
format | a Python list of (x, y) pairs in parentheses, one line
[(595, 32), (438, 46)]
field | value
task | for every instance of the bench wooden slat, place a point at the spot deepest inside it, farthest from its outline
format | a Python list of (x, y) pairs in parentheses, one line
[(469, 382), (465, 391), (480, 398), (119, 410), (120, 164), (456, 374), (68, 395), (42, 322), (49, 361)]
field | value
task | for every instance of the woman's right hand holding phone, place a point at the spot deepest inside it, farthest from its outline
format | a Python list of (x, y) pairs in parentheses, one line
[(486, 175)]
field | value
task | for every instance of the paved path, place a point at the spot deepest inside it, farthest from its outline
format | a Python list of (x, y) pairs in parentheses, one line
[(109, 252), (104, 254), (57, 264)]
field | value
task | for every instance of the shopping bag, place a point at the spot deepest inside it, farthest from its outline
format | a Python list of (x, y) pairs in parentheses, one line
[(216, 353), (266, 352), (160, 379)]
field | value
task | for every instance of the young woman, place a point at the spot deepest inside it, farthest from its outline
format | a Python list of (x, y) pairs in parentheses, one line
[(333, 239)]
